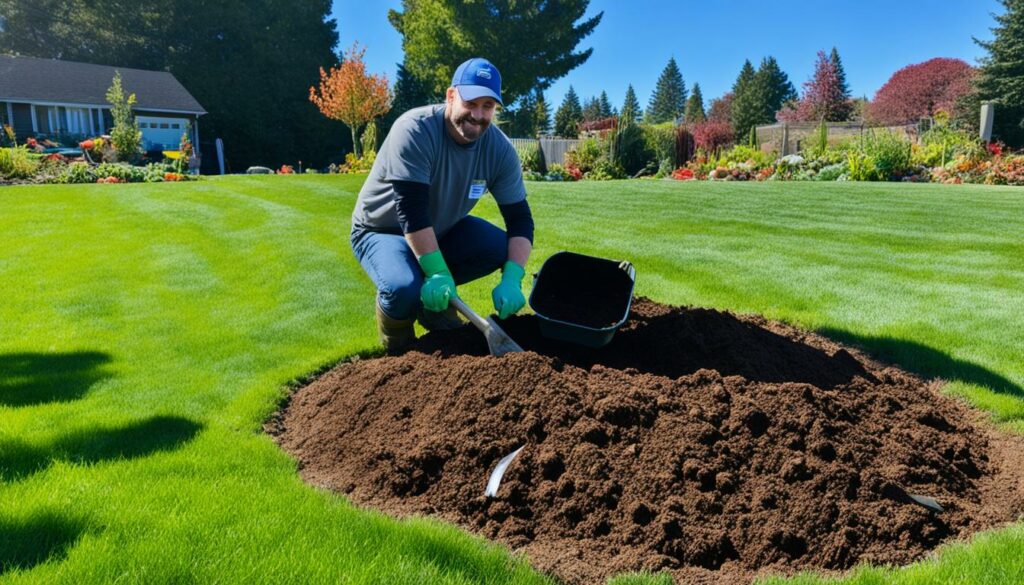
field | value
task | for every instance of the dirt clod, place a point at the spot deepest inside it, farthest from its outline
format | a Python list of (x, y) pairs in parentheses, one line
[(709, 445)]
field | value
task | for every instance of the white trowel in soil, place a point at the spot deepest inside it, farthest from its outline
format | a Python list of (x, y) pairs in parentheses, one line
[(497, 340)]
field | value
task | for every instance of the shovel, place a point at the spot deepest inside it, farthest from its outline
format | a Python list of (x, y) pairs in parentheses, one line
[(497, 340)]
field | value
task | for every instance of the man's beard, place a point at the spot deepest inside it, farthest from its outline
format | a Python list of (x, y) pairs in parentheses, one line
[(469, 127)]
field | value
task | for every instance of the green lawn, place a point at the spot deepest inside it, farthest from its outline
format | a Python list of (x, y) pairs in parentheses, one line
[(147, 331)]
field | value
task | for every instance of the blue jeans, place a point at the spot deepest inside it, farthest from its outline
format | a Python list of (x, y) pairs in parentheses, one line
[(473, 248)]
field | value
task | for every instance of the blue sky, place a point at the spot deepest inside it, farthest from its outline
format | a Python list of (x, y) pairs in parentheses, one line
[(710, 40)]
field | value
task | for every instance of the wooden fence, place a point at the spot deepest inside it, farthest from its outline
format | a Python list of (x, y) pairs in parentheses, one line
[(552, 148)]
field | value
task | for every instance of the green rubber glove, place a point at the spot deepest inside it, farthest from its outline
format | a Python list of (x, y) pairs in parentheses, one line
[(439, 285), (508, 295)]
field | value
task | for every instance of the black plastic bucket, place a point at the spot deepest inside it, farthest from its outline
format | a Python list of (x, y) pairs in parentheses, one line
[(582, 299)]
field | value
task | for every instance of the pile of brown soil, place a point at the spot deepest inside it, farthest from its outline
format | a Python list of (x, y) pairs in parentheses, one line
[(709, 445)]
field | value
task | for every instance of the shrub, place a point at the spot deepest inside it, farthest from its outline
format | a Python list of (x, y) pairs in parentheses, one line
[(77, 172), (919, 90), (17, 163), (124, 173), (660, 139), (712, 136), (126, 136), (557, 172), (530, 157), (890, 153), (745, 155), (605, 170), (631, 152), (362, 164), (585, 155)]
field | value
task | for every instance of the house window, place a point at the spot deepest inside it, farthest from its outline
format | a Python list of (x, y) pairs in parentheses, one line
[(143, 125), (176, 126), (163, 126)]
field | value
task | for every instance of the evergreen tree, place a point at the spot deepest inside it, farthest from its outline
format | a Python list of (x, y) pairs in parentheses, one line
[(823, 97), (1001, 76), (840, 72), (747, 104), (694, 113), (669, 98), (774, 89), (519, 119), (569, 115), (542, 114), (410, 93), (631, 106), (592, 110), (607, 111), (531, 43)]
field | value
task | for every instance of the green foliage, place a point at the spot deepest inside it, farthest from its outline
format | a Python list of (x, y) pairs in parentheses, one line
[(889, 152), (369, 138), (631, 151), (17, 162), (530, 157), (631, 111), (862, 167), (741, 154), (773, 88), (531, 44), (121, 171), (694, 112), (605, 170), (669, 98), (542, 114), (585, 155), (569, 115), (77, 172), (126, 136), (747, 105), (660, 140)]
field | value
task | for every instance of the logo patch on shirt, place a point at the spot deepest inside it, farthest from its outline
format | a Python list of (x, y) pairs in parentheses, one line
[(477, 189)]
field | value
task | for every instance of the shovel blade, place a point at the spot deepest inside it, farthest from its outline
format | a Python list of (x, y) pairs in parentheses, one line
[(498, 341)]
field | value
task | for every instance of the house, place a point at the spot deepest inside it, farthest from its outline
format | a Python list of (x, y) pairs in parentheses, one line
[(67, 100)]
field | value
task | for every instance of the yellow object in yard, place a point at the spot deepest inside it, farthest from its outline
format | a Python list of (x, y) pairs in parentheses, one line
[(172, 154)]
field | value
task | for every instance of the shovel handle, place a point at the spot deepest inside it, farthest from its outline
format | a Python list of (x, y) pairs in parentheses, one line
[(478, 321)]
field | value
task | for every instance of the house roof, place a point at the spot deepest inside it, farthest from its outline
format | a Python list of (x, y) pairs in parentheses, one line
[(48, 80)]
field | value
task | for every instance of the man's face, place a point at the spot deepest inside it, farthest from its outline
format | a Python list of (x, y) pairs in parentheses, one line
[(468, 120)]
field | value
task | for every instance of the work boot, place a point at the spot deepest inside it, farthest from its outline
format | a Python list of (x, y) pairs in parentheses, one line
[(446, 320), (395, 334)]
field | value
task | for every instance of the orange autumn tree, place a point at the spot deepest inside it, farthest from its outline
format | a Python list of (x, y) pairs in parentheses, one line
[(348, 94)]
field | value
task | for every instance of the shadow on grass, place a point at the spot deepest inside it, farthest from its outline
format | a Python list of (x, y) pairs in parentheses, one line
[(25, 543), (153, 435), (38, 378), (926, 361)]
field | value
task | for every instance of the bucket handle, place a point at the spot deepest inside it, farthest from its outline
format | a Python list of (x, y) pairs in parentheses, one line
[(628, 267)]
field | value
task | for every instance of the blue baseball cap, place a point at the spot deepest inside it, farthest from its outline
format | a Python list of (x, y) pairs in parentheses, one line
[(477, 78)]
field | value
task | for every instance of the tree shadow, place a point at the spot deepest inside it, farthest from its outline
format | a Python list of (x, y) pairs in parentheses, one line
[(153, 435), (25, 543), (38, 378), (926, 361)]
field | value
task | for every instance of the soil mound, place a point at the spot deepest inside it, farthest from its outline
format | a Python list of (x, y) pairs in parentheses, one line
[(703, 443)]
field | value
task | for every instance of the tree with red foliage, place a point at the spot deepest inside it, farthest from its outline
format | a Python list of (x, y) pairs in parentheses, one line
[(825, 97), (721, 109), (920, 90), (712, 135), (348, 94)]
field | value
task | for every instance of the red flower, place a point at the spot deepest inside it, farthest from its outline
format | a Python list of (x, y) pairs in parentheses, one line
[(995, 148), (286, 170), (683, 174), (87, 144)]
